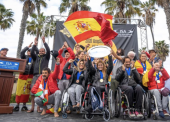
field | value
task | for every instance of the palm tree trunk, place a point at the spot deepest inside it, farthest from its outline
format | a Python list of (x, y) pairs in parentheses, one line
[(38, 34), (167, 13), (22, 32), (152, 37)]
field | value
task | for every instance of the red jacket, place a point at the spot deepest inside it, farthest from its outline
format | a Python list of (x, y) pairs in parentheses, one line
[(52, 83), (152, 84), (63, 61)]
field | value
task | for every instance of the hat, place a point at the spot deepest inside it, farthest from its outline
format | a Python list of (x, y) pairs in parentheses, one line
[(54, 53), (65, 51), (152, 50), (29, 49), (4, 49), (165, 91)]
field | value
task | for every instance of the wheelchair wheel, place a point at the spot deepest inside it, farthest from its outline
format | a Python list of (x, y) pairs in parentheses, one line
[(118, 103), (89, 116), (149, 104), (64, 115), (169, 102), (106, 115), (146, 107), (110, 102), (155, 116)]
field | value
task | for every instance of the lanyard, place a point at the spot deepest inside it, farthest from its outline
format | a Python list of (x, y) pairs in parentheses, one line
[(101, 75), (157, 76), (128, 71), (144, 67), (78, 75), (45, 84), (114, 62), (29, 60)]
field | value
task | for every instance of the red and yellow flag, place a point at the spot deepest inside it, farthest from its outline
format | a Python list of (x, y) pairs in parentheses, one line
[(23, 88), (84, 24)]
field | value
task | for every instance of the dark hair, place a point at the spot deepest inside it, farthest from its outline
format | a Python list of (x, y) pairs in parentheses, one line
[(125, 59), (65, 51), (47, 69), (81, 60), (80, 52), (121, 52)]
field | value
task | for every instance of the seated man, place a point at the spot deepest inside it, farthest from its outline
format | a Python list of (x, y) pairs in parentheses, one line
[(46, 90), (129, 79), (157, 77)]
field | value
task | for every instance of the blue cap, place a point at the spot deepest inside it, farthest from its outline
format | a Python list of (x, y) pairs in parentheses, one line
[(4, 49)]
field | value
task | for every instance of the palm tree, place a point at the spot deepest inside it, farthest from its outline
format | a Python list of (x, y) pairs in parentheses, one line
[(162, 49), (165, 5), (6, 19), (28, 8), (74, 5), (37, 23), (122, 8), (149, 15)]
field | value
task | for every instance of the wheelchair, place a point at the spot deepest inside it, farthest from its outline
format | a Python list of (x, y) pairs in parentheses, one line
[(153, 108), (66, 105), (107, 101), (120, 98)]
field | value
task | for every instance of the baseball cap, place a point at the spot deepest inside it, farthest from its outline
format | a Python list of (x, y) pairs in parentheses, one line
[(152, 50), (4, 49), (165, 91), (65, 51), (54, 53)]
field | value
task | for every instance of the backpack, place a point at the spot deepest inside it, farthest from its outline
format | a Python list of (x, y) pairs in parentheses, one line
[(96, 101)]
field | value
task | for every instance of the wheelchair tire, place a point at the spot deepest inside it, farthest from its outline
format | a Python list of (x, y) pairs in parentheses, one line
[(89, 116), (106, 115), (64, 115), (155, 117), (110, 104), (149, 103), (83, 116), (118, 102)]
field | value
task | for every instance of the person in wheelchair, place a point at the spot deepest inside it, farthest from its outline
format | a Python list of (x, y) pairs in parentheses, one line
[(101, 75), (129, 79), (77, 81), (157, 77)]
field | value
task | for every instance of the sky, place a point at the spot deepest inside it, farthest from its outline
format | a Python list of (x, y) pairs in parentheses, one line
[(10, 37)]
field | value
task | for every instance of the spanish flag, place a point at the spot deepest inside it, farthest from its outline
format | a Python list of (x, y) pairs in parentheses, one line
[(23, 88), (84, 24), (139, 68), (51, 110)]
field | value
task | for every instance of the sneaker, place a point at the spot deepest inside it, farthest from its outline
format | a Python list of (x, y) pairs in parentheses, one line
[(138, 114), (165, 113), (161, 114), (131, 114)]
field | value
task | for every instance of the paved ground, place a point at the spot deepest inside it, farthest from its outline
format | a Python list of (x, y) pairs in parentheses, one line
[(36, 117)]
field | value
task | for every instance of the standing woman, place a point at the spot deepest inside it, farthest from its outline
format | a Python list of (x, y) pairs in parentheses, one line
[(143, 67), (78, 81)]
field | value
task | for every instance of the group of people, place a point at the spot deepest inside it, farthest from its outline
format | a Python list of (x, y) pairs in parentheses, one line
[(76, 69)]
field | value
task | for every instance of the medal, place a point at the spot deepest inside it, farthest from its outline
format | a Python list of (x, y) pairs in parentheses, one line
[(101, 80), (144, 72), (129, 77), (158, 81), (29, 63), (77, 81)]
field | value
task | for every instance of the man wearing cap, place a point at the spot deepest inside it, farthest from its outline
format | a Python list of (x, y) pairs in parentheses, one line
[(24, 80), (3, 52), (157, 77), (41, 61), (64, 78)]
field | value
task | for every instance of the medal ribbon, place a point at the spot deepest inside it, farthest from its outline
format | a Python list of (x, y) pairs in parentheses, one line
[(78, 75), (29, 60), (128, 71), (101, 75), (114, 62), (157, 76), (144, 67)]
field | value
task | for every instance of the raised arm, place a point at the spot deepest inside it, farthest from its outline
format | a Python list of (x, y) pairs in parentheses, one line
[(66, 70), (22, 54), (56, 69), (72, 55), (34, 47), (47, 49), (110, 67), (90, 68)]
